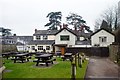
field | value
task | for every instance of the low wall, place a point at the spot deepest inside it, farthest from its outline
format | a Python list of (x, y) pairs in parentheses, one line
[(7, 48), (113, 49)]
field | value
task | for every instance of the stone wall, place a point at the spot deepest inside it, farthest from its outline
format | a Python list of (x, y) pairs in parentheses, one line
[(7, 48), (113, 49)]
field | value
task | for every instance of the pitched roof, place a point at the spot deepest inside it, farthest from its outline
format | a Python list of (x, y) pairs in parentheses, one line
[(45, 32), (25, 38), (83, 42), (71, 31), (100, 30), (54, 32), (19, 43), (42, 42)]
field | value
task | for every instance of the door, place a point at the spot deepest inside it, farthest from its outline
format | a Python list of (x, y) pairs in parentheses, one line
[(62, 50)]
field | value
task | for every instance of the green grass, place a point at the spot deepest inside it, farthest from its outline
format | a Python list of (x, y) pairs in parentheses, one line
[(28, 70)]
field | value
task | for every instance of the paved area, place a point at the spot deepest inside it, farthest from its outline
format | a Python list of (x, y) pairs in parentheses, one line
[(102, 69)]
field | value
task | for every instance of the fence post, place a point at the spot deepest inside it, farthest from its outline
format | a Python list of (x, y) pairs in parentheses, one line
[(73, 68)]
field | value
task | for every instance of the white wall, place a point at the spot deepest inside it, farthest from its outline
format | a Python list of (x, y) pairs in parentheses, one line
[(82, 46), (51, 37), (34, 37), (72, 38), (22, 48), (57, 48), (95, 38), (44, 47)]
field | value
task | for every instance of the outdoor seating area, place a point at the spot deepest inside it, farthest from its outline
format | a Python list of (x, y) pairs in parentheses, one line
[(35, 63)]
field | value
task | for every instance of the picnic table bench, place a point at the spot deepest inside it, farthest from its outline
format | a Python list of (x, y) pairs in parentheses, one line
[(6, 55), (21, 57), (44, 58), (67, 56)]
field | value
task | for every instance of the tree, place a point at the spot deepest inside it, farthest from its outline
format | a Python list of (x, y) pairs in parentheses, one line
[(97, 24), (5, 32), (116, 18), (54, 20), (110, 16), (104, 25), (77, 22)]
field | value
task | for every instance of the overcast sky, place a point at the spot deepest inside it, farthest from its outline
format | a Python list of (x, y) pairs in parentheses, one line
[(24, 16)]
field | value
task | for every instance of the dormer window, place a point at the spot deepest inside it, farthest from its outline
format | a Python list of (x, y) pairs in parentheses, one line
[(38, 37), (81, 38), (45, 37)]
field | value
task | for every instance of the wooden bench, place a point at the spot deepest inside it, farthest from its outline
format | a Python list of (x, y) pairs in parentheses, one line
[(46, 61), (21, 59), (18, 59), (51, 60)]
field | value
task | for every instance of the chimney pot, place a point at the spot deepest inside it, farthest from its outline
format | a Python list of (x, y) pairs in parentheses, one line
[(35, 30)]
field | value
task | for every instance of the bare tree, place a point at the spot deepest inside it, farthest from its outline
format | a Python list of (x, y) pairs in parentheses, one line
[(110, 16), (97, 24)]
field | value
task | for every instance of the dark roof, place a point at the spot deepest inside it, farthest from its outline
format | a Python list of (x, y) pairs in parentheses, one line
[(41, 42), (19, 43), (54, 32), (82, 34), (25, 38), (9, 37), (71, 31), (45, 32), (83, 42), (100, 30)]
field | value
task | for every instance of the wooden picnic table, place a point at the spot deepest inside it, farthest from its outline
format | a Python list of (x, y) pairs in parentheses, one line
[(39, 53), (6, 55), (67, 56), (44, 58), (22, 57)]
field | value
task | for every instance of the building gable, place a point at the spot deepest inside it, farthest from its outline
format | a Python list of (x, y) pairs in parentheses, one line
[(103, 30), (102, 38), (67, 30)]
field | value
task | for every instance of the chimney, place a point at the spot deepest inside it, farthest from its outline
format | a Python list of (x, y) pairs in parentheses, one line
[(65, 25), (60, 26), (35, 30)]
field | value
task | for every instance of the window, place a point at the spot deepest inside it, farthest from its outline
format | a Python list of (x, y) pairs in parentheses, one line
[(45, 37), (102, 39), (47, 47), (64, 38), (33, 47), (40, 47), (38, 37)]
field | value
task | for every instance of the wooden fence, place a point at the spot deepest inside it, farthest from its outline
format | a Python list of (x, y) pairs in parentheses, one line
[(91, 51)]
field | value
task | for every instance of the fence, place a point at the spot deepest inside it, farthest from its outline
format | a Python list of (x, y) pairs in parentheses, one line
[(91, 51)]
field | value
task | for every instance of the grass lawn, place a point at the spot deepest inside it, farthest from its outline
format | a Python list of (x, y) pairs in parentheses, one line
[(28, 70)]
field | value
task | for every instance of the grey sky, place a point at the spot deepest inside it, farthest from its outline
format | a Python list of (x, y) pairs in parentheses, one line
[(23, 16)]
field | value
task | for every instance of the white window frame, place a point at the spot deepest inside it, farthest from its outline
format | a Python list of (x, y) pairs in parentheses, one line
[(40, 47), (47, 47), (38, 37), (45, 37), (102, 39)]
